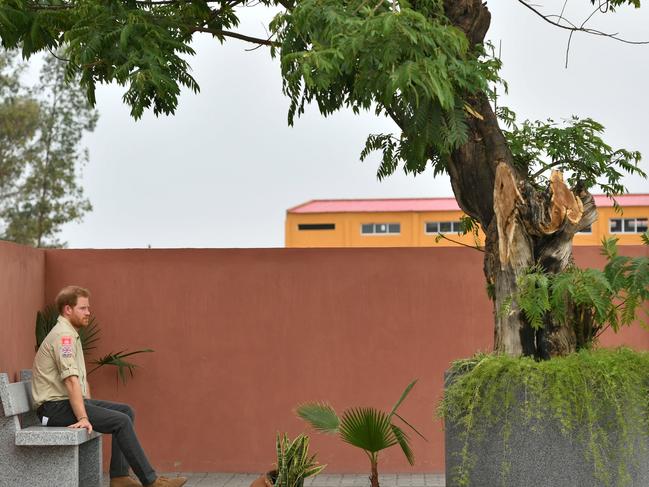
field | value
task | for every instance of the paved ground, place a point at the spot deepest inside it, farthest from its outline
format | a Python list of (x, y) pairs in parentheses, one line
[(324, 480)]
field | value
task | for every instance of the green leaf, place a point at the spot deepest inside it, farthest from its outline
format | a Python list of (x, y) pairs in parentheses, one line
[(117, 360), (320, 416), (367, 428), (404, 394), (404, 443)]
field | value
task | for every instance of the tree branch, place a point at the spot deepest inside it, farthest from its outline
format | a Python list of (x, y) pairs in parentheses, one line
[(393, 115), (286, 4), (235, 35), (573, 28), (546, 167), (442, 236)]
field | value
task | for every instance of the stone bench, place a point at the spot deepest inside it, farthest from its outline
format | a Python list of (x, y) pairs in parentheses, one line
[(34, 455)]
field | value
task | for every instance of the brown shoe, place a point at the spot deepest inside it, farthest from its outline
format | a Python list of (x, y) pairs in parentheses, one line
[(124, 482), (167, 482)]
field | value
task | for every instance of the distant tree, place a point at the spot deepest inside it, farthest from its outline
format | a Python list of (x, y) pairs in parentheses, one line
[(424, 64), (44, 189), (19, 114)]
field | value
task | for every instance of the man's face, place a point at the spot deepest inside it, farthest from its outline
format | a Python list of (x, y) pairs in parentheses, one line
[(79, 315)]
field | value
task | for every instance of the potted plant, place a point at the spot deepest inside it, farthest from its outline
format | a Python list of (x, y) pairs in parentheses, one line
[(579, 419), (294, 464), (367, 428)]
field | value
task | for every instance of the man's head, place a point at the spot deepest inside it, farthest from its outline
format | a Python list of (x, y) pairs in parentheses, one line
[(73, 303)]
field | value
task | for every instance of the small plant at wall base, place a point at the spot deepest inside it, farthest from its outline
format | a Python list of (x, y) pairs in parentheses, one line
[(89, 335), (366, 428), (294, 464), (293, 461)]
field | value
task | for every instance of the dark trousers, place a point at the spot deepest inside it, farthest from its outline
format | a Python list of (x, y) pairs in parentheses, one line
[(111, 418)]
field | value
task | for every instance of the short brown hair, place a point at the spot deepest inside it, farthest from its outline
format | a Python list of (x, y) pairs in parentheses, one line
[(68, 296)]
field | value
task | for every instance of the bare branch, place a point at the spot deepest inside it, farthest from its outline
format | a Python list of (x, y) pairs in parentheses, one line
[(474, 247), (393, 115), (235, 35), (546, 167), (573, 28), (58, 57)]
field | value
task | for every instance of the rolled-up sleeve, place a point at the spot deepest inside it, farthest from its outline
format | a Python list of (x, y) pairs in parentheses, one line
[(64, 353)]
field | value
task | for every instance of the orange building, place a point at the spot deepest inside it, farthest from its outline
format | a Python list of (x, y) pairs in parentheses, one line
[(420, 222)]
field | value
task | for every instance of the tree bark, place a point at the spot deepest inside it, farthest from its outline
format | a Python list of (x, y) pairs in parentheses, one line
[(524, 225), (374, 477)]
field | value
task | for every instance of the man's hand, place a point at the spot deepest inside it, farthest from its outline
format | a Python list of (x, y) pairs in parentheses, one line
[(76, 403), (83, 423)]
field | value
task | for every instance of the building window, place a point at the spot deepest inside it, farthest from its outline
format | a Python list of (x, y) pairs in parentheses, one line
[(588, 229), (381, 228), (444, 227), (316, 226), (628, 225)]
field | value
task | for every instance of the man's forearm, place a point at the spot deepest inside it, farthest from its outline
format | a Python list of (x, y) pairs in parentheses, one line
[(75, 397)]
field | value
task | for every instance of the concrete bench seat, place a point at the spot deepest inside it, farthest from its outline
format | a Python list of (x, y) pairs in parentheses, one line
[(50, 435), (34, 455)]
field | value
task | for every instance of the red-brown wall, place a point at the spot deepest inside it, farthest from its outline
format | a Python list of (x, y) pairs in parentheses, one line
[(22, 282), (243, 336)]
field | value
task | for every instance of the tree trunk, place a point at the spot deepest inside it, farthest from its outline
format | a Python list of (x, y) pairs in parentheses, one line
[(374, 477), (524, 226)]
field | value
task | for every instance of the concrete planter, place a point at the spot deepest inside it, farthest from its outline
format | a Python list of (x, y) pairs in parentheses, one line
[(538, 454)]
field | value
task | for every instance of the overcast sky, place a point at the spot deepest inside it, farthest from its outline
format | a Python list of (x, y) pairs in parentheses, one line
[(224, 169)]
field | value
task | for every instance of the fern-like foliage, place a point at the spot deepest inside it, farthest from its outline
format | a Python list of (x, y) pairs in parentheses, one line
[(533, 296), (574, 147), (403, 60), (590, 300)]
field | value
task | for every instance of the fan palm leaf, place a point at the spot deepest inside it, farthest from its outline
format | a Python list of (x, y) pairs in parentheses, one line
[(89, 335), (367, 428), (46, 320), (404, 394), (321, 416), (117, 360), (404, 443)]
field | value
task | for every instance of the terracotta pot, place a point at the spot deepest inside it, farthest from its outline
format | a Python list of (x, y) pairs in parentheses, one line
[(265, 480)]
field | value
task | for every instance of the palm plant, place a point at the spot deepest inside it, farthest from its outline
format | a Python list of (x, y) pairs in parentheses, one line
[(89, 335), (46, 319), (367, 428), (294, 464)]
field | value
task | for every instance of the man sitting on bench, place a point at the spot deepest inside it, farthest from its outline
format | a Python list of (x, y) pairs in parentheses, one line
[(62, 395)]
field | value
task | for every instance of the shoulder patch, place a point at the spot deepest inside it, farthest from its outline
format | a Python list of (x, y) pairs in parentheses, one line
[(66, 347)]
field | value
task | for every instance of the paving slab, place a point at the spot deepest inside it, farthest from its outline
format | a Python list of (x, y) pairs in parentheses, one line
[(224, 479)]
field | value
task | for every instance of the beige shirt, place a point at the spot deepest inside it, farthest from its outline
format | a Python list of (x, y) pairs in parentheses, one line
[(59, 356)]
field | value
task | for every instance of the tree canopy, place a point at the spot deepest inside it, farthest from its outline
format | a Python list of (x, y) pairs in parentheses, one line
[(425, 64), (406, 60)]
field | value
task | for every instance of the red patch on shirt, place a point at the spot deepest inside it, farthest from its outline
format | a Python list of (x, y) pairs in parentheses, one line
[(66, 347)]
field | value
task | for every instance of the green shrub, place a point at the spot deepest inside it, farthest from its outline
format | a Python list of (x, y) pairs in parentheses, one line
[(600, 397)]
